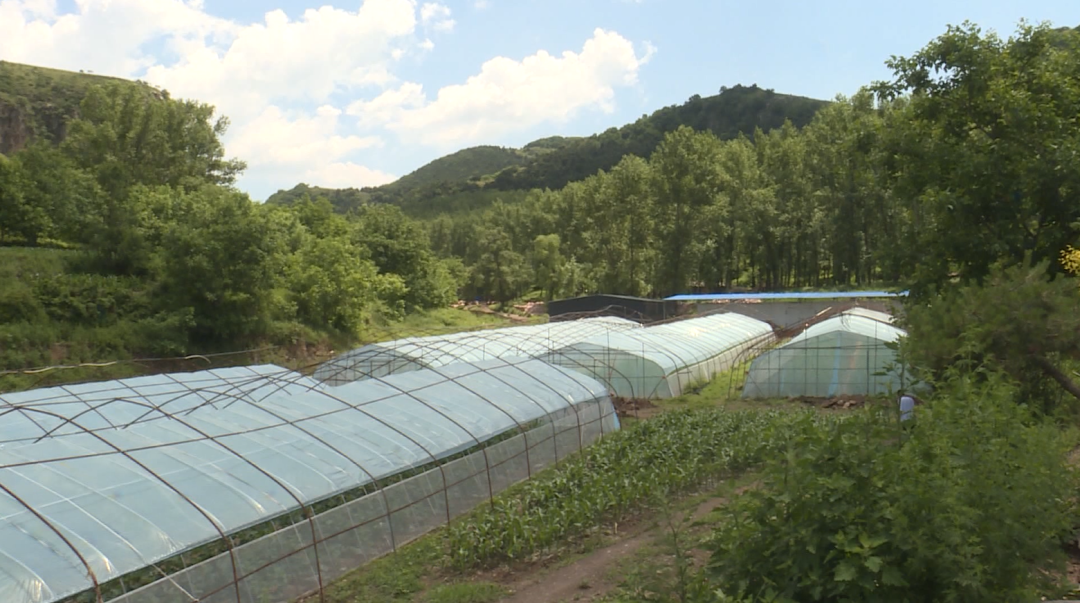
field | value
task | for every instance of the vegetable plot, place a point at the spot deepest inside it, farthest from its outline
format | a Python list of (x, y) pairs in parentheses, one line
[(666, 456)]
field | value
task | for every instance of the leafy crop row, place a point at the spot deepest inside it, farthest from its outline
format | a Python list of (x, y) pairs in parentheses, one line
[(673, 453)]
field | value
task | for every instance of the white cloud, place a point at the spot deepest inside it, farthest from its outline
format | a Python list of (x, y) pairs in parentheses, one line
[(324, 51), (346, 175), (481, 4), (248, 71), (509, 95), (277, 138), (105, 36), (283, 148), (436, 16), (282, 78)]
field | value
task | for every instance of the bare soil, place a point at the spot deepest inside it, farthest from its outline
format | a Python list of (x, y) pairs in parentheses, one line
[(837, 403), (635, 407), (589, 577)]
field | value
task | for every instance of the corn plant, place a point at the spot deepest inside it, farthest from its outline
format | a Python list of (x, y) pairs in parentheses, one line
[(672, 454)]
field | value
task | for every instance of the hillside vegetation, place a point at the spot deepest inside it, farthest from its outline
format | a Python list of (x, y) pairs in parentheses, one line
[(455, 180), (474, 163), (36, 102), (476, 177), (343, 200), (737, 110), (164, 257)]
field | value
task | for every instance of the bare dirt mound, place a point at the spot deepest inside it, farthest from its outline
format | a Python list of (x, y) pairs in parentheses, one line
[(634, 407)]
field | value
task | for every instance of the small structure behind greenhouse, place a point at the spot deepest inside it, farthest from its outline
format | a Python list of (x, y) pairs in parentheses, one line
[(846, 355), (635, 308), (789, 308)]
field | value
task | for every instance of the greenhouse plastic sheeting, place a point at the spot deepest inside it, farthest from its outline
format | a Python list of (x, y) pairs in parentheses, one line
[(410, 354), (868, 313), (122, 474), (662, 360), (843, 355)]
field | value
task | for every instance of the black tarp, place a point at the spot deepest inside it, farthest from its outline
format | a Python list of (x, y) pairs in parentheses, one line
[(635, 308)]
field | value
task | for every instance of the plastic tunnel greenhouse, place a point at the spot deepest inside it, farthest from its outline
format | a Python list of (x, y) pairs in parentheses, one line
[(414, 353), (845, 355), (662, 360), (257, 484)]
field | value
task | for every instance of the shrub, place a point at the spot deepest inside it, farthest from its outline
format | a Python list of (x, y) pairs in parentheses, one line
[(17, 303), (966, 508)]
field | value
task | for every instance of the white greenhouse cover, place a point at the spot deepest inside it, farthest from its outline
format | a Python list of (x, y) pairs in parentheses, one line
[(134, 471), (843, 355), (414, 353), (662, 360)]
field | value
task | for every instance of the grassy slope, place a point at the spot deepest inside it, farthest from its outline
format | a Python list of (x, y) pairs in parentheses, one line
[(43, 342), (41, 100), (460, 166), (474, 165)]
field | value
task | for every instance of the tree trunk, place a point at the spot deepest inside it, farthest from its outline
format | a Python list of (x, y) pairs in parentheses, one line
[(1058, 375)]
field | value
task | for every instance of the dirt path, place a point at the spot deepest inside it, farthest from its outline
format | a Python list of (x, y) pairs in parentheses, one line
[(586, 579), (582, 580)]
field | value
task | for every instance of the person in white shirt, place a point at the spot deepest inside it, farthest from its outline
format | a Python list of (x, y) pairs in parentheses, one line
[(907, 407)]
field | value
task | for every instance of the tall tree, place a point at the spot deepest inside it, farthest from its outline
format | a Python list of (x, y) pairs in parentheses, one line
[(989, 146), (500, 272), (216, 259), (688, 181), (548, 265), (125, 135), (18, 217)]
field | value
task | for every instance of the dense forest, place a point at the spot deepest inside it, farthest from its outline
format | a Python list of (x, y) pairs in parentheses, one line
[(964, 159)]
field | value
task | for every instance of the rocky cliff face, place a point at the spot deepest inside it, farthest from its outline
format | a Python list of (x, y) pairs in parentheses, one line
[(20, 124), (15, 128), (37, 102)]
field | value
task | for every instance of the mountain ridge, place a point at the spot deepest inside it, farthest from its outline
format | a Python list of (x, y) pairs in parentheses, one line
[(553, 162), (37, 103)]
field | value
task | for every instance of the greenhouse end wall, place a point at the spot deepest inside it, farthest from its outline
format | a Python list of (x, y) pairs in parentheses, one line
[(303, 558), (826, 366), (677, 383)]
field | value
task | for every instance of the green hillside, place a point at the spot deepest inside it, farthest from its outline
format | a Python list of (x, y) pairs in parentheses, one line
[(473, 163), (343, 199), (740, 109), (472, 178), (456, 179), (462, 165), (36, 102)]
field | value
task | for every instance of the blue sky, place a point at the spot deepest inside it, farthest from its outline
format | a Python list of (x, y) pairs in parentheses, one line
[(362, 92)]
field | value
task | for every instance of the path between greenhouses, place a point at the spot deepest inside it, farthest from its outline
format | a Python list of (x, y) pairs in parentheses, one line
[(589, 578)]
